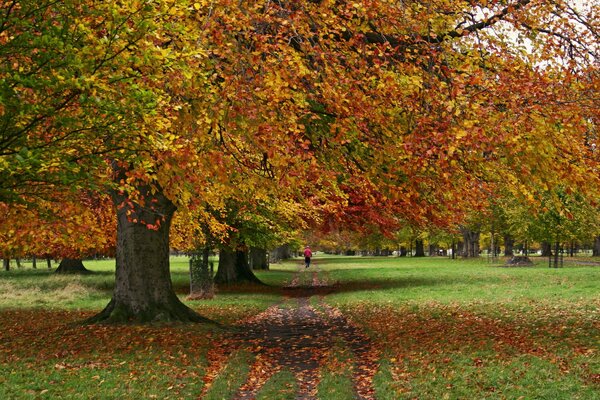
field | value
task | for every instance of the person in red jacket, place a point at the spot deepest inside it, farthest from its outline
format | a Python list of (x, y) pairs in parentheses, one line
[(307, 256)]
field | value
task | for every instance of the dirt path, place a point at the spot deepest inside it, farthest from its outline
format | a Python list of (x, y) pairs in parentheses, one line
[(298, 335)]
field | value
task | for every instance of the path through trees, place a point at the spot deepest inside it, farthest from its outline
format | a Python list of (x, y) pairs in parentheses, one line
[(299, 335)]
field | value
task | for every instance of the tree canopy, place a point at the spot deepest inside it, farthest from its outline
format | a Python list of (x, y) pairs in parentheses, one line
[(384, 113)]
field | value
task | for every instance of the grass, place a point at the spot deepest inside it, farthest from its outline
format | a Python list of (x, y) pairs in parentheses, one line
[(447, 329), (281, 386), (336, 379), (235, 373), (120, 377)]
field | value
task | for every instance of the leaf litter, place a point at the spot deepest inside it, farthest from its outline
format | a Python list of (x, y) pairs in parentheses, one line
[(299, 338)]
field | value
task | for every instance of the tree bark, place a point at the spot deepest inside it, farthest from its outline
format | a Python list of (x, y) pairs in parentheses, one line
[(556, 254), (572, 248), (71, 266), (34, 262), (201, 279), (234, 267), (258, 258), (509, 244), (470, 242), (281, 253), (419, 248), (546, 249), (143, 288), (6, 263), (433, 250), (596, 249)]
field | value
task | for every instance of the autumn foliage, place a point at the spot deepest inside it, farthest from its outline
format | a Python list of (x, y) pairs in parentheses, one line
[(362, 115)]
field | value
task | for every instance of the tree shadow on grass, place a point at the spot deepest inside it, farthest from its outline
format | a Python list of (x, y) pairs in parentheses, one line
[(337, 287), (43, 272)]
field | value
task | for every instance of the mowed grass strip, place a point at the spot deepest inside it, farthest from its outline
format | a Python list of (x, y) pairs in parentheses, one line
[(230, 378), (336, 375), (281, 386)]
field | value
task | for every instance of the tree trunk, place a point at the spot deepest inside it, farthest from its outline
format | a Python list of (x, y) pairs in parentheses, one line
[(281, 253), (546, 249), (49, 262), (226, 271), (596, 249), (6, 263), (258, 258), (143, 289), (71, 266), (471, 242), (234, 267), (556, 254), (18, 261), (34, 262), (509, 244), (572, 248), (433, 250), (419, 248), (403, 251), (201, 279)]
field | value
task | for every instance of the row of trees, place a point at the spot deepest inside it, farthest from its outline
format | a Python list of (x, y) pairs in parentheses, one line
[(574, 222), (232, 125)]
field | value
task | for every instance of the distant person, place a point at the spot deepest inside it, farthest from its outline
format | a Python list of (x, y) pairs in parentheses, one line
[(307, 256)]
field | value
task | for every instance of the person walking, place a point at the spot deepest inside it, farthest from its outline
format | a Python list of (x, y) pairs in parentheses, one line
[(307, 256)]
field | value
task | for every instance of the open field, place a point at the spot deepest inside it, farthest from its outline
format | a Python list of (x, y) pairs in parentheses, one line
[(433, 328)]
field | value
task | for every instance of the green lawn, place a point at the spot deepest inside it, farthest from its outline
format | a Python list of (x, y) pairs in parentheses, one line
[(452, 329)]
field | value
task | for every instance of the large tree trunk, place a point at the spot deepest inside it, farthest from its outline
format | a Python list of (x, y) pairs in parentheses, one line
[(71, 266), (143, 289), (258, 258), (234, 267), (419, 248), (546, 249), (509, 244), (596, 249), (470, 242)]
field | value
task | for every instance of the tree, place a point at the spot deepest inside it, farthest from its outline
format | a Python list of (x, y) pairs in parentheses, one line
[(596, 247), (258, 258), (70, 226), (71, 266), (470, 241), (417, 105)]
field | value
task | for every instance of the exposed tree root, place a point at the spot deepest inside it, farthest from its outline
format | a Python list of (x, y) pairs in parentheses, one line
[(171, 312)]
